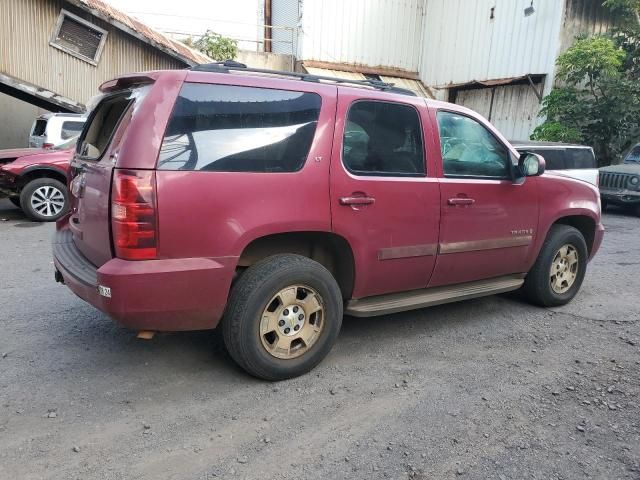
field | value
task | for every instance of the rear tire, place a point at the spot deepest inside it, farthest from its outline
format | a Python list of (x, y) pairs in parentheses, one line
[(44, 199), (258, 326), (555, 279)]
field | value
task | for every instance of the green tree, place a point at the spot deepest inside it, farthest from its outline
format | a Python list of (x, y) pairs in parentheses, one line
[(598, 102), (214, 46)]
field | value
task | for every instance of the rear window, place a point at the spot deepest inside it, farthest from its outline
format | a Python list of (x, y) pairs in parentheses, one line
[(103, 122), (227, 128), (39, 128), (71, 129)]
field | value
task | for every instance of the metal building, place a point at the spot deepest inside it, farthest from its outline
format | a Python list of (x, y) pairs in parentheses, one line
[(498, 56), (494, 56), (55, 53)]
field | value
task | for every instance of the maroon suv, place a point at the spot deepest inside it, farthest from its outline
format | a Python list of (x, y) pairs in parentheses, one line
[(273, 203)]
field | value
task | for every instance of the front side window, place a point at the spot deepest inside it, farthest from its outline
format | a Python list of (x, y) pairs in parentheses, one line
[(382, 138), (634, 155), (226, 128), (470, 150)]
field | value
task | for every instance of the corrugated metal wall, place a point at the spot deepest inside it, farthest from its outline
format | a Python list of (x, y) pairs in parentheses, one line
[(285, 13), (514, 112), (463, 43), (380, 33), (25, 52)]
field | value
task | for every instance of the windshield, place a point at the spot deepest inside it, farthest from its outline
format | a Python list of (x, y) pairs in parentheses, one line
[(68, 144), (634, 155)]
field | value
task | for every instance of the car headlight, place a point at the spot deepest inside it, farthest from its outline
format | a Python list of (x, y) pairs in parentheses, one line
[(634, 181)]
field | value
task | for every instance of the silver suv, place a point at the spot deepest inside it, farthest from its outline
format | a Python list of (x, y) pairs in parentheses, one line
[(52, 129)]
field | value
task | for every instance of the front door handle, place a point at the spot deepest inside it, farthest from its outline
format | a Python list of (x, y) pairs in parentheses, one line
[(357, 200), (461, 201)]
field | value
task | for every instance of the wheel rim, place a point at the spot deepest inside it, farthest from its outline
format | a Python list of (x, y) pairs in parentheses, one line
[(564, 269), (292, 322), (47, 201)]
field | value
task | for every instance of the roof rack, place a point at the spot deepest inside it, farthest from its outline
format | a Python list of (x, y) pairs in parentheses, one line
[(231, 65)]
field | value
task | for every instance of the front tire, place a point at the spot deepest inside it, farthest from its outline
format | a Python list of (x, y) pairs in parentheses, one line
[(44, 199), (283, 317), (559, 270)]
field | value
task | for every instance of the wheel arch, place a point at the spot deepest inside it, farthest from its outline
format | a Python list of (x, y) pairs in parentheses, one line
[(329, 249), (39, 171), (585, 224)]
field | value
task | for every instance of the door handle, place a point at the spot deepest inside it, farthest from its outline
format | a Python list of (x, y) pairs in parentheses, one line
[(461, 201), (357, 200)]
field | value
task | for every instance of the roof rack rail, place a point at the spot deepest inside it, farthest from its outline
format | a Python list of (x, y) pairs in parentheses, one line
[(231, 65)]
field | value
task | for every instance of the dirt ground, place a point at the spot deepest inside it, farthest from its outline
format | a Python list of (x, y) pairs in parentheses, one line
[(484, 389)]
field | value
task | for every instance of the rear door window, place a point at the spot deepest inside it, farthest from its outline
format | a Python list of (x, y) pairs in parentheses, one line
[(383, 138), (227, 128)]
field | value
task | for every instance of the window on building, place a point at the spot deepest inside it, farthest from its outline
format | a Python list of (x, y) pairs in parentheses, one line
[(382, 138), (78, 37), (226, 128), (470, 150)]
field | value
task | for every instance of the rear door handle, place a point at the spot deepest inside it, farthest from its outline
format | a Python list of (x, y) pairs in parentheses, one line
[(461, 201), (357, 200)]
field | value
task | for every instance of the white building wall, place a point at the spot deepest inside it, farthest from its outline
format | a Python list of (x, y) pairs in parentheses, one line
[(375, 33), (462, 43)]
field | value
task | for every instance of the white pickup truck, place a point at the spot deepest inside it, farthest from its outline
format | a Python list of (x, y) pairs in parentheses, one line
[(575, 161)]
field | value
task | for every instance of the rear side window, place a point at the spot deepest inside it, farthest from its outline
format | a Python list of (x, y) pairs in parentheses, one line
[(554, 159), (580, 158), (39, 128), (382, 138), (226, 128), (102, 124), (71, 129)]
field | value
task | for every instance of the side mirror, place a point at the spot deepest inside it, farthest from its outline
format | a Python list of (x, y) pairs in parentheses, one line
[(531, 164)]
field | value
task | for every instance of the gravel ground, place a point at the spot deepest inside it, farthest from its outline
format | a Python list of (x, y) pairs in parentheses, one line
[(484, 389)]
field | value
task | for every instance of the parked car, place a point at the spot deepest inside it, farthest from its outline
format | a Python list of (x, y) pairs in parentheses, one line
[(53, 129), (35, 179), (275, 202), (576, 161), (620, 184)]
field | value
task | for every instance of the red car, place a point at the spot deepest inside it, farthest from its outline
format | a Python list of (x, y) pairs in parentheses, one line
[(271, 203), (35, 179)]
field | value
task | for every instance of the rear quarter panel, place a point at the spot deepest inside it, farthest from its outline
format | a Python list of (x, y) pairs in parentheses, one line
[(216, 214)]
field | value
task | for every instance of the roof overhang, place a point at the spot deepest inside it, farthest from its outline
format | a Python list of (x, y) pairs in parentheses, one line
[(414, 85), (474, 84), (38, 96), (194, 59)]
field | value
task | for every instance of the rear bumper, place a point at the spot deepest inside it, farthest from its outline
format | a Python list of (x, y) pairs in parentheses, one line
[(161, 295)]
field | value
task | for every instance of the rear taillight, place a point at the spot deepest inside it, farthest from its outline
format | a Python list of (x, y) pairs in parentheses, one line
[(134, 222), (47, 145)]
